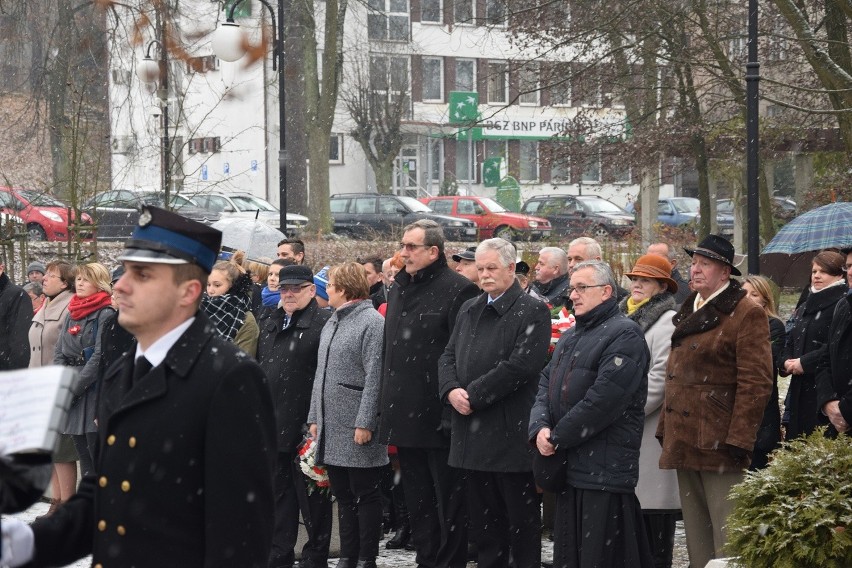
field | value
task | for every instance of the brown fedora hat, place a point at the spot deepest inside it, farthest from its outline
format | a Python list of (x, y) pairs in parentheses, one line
[(656, 267)]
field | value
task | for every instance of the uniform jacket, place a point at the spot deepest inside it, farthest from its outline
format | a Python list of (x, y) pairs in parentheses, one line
[(16, 315), (346, 388), (289, 359), (185, 462), (44, 331), (420, 316), (718, 381), (657, 488), (495, 353), (68, 351), (592, 395), (834, 374), (808, 341)]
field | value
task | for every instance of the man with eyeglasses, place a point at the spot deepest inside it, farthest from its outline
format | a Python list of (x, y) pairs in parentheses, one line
[(591, 407), (287, 353), (422, 308), (834, 371)]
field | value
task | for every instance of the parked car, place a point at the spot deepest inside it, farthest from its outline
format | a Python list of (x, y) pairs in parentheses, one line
[(575, 215), (116, 212), (248, 206), (674, 211), (366, 214), (491, 218), (45, 217), (783, 208)]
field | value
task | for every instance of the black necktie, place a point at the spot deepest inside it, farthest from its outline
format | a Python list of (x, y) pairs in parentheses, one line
[(141, 368)]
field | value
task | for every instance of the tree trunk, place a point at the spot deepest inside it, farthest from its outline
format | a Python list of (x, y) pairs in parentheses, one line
[(384, 176)]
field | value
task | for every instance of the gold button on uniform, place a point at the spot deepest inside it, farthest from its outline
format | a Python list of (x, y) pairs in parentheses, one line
[(102, 481), (125, 486), (102, 525), (132, 442), (120, 530), (110, 440)]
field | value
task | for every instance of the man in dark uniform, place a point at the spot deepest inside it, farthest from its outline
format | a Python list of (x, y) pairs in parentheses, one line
[(186, 446), (16, 316), (287, 353), (422, 308)]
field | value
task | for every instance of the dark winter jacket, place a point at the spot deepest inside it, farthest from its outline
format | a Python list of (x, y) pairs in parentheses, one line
[(808, 341), (682, 287), (718, 381), (769, 434), (288, 357), (834, 372), (420, 316), (185, 461), (592, 397), (16, 315), (553, 291), (495, 353)]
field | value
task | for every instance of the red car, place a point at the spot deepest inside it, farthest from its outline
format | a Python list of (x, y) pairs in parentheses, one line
[(45, 217), (492, 219)]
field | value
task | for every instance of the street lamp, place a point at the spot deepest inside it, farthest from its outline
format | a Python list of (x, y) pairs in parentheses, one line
[(752, 142), (150, 71), (229, 45)]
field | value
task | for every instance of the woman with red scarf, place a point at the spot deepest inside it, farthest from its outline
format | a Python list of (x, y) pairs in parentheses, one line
[(79, 345)]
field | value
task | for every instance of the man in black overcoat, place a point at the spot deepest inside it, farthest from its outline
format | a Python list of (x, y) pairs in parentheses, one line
[(422, 308), (287, 353), (16, 316), (186, 430), (489, 374)]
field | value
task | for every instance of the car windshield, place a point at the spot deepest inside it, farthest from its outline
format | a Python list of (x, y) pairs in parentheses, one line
[(251, 203), (686, 204), (38, 199), (725, 206), (602, 206), (492, 205), (413, 204), (159, 198)]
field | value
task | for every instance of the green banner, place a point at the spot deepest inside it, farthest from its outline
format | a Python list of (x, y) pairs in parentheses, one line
[(492, 171), (463, 107), (243, 10)]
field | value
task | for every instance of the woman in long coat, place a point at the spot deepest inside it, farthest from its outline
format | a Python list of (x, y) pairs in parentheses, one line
[(79, 345), (807, 341), (344, 413), (652, 305)]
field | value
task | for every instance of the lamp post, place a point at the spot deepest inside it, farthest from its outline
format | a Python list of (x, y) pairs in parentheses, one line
[(752, 142), (229, 45), (150, 71)]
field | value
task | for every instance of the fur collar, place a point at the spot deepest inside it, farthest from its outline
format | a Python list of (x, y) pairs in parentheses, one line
[(710, 315), (648, 314)]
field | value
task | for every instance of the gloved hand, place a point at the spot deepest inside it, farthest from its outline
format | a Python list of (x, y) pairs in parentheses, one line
[(18, 542)]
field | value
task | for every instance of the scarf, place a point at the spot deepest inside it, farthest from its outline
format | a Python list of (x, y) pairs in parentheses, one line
[(633, 306), (228, 311), (270, 298), (79, 308)]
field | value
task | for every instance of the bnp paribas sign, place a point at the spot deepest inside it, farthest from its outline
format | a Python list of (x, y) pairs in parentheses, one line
[(523, 123)]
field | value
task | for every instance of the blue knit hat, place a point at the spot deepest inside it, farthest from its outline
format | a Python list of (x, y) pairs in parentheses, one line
[(321, 280)]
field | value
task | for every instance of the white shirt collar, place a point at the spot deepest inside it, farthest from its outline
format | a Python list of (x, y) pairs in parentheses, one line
[(156, 353), (699, 303)]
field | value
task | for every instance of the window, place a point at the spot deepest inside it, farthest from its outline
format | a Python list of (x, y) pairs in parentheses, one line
[(463, 11), (388, 206), (430, 11), (495, 12), (621, 173), (466, 75), (433, 79), (339, 205), (495, 149), (592, 169), (468, 207), (463, 161), (560, 85), (335, 149), (529, 160), (389, 79), (497, 82), (388, 20), (363, 205), (588, 89), (528, 83), (442, 206)]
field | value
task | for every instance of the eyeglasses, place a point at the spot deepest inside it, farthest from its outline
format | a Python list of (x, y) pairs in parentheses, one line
[(581, 288), (293, 288), (411, 246)]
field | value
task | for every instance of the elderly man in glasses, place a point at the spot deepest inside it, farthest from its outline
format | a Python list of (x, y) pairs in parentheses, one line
[(287, 353), (590, 409), (422, 306)]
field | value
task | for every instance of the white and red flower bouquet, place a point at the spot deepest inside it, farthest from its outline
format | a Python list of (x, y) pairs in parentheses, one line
[(317, 475), (560, 321)]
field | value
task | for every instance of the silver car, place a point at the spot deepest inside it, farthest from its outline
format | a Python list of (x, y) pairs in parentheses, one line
[(248, 206)]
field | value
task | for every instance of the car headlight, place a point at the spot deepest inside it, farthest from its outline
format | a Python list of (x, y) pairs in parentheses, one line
[(533, 224), (55, 217), (620, 222)]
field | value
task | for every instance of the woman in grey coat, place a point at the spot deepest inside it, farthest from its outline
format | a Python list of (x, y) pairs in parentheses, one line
[(344, 413), (79, 345)]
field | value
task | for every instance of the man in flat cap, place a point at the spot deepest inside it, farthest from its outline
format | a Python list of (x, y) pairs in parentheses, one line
[(718, 381), (186, 448)]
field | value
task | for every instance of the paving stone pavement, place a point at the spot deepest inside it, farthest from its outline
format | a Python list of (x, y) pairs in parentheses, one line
[(391, 558)]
